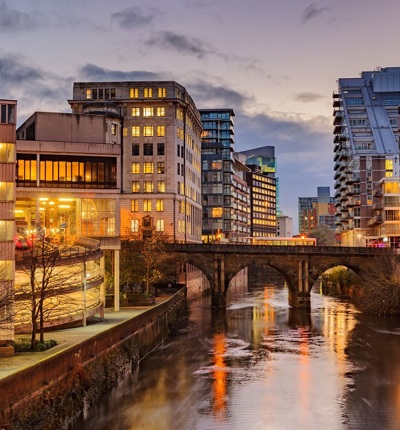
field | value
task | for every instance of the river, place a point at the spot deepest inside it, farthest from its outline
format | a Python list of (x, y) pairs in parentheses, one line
[(262, 365)]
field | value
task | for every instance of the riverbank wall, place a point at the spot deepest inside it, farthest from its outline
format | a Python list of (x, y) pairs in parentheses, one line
[(48, 394)]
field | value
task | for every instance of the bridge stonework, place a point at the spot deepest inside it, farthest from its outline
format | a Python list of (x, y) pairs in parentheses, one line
[(300, 266)]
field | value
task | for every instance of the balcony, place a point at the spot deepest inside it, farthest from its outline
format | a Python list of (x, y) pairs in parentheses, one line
[(338, 129), (378, 193), (375, 220), (377, 207), (353, 178)]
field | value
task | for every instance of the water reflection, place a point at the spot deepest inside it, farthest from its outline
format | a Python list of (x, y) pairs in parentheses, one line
[(263, 365)]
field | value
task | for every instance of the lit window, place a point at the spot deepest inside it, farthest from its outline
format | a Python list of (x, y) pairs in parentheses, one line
[(148, 186), (160, 149), (162, 92), (134, 205), (160, 111), (125, 131), (88, 93), (135, 131), (179, 133), (148, 130), (179, 113), (161, 186), (148, 167), (7, 152), (135, 111), (160, 225), (134, 93), (217, 212), (7, 191), (160, 167), (134, 225), (148, 149), (135, 168), (160, 130), (135, 187), (160, 205), (113, 129), (148, 111), (148, 93), (7, 270), (147, 205)]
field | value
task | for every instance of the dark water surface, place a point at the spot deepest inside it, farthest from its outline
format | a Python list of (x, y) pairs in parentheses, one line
[(262, 365)]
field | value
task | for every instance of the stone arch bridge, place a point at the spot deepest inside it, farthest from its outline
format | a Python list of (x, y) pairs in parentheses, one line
[(300, 266)]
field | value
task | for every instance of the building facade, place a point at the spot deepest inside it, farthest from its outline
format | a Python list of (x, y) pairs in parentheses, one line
[(160, 132), (314, 211), (8, 120), (366, 155), (284, 226)]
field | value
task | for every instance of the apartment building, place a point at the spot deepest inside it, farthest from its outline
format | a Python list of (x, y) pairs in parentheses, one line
[(8, 119), (314, 211), (366, 155), (160, 132)]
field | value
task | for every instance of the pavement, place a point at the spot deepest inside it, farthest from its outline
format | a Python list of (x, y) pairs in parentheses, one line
[(68, 337)]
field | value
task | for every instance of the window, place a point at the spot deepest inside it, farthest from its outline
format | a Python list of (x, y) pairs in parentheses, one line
[(160, 167), (148, 93), (148, 167), (134, 93), (148, 130), (179, 133), (160, 149), (135, 187), (7, 191), (148, 149), (160, 130), (148, 186), (135, 168), (7, 152), (162, 92), (179, 113), (135, 149), (160, 225), (179, 168), (161, 186), (135, 131), (88, 93), (217, 212), (147, 205), (135, 205), (134, 225), (113, 129), (160, 111), (160, 205), (148, 111), (125, 131), (135, 111)]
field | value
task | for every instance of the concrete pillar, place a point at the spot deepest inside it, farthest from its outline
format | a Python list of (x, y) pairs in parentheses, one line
[(218, 298), (116, 280), (102, 286)]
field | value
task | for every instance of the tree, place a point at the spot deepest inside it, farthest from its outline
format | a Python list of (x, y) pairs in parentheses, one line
[(143, 257), (324, 234), (380, 287), (48, 284)]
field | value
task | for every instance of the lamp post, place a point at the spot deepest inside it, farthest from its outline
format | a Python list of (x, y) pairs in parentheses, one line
[(84, 295)]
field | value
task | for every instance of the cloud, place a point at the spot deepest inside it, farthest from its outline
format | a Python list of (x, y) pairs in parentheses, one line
[(308, 97), (312, 11), (132, 17), (13, 71), (14, 20), (179, 43), (91, 72)]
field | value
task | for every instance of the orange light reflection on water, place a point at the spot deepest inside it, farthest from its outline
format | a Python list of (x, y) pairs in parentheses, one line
[(220, 377)]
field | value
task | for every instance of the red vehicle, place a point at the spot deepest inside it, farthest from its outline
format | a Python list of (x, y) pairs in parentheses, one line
[(22, 242)]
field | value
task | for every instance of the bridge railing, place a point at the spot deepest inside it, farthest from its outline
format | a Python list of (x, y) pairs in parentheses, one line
[(282, 249)]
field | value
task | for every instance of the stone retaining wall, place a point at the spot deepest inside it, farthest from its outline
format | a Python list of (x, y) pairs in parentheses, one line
[(56, 389)]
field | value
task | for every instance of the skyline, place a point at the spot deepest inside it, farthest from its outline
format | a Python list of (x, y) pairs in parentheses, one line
[(274, 63)]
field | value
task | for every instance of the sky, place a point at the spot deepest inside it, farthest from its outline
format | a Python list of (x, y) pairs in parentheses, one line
[(274, 62)]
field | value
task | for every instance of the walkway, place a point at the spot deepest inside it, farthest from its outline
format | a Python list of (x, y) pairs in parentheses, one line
[(68, 337)]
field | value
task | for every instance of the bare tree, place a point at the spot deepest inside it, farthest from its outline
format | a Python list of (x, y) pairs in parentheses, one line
[(48, 284), (380, 287)]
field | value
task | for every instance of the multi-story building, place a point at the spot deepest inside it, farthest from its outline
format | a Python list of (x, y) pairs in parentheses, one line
[(68, 186), (225, 193), (262, 202), (366, 155), (8, 119), (314, 211), (284, 226), (161, 153)]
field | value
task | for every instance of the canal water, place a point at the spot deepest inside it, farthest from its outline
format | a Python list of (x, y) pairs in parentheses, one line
[(262, 365)]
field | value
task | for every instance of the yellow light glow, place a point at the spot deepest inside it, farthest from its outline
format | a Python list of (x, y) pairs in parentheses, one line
[(64, 206), (51, 203), (43, 198), (65, 200), (19, 211)]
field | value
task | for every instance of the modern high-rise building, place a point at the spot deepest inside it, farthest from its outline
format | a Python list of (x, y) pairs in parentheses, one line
[(225, 192), (366, 155), (314, 211), (284, 226), (8, 119), (160, 133)]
